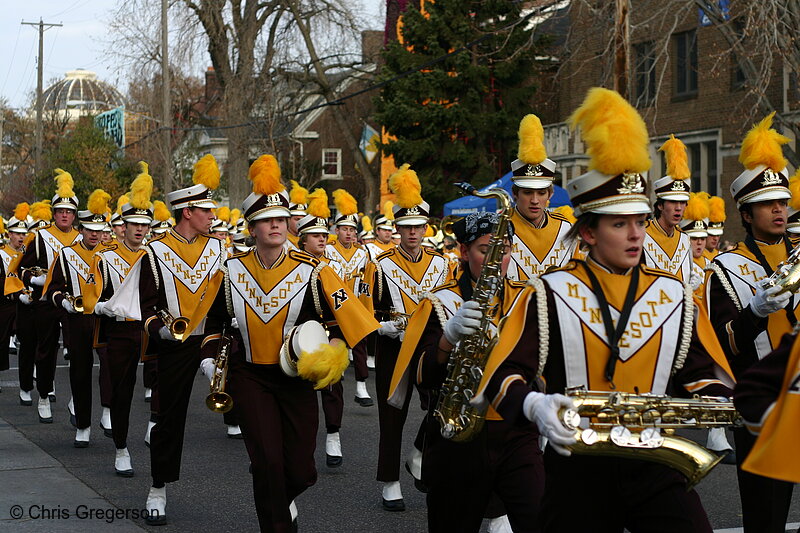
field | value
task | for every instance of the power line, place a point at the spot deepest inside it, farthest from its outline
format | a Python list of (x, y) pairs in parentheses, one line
[(11, 64)]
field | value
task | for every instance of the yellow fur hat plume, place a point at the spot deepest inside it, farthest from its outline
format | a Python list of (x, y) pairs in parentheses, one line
[(697, 207), (794, 187), (406, 187), (388, 212), (141, 188), (206, 172), (716, 209), (298, 194), (98, 202), (65, 186), (265, 173), (235, 216), (366, 224), (318, 204), (614, 133), (22, 210), (762, 146), (122, 200), (344, 202), (223, 213), (41, 210), (677, 160), (160, 211), (531, 140), (324, 366)]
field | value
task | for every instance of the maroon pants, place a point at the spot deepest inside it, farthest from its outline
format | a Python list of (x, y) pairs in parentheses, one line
[(46, 320), (81, 359), (503, 460), (765, 501), (149, 370), (279, 420), (332, 406), (360, 359), (8, 311), (390, 419), (104, 377), (177, 367), (122, 358), (608, 494), (26, 335)]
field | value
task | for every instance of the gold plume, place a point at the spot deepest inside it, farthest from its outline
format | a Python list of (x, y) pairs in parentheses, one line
[(224, 213), (318, 204), (298, 194), (325, 365), (235, 216), (406, 187), (41, 210), (122, 200), (677, 160), (160, 211), (22, 210), (265, 173), (716, 207), (794, 188), (98, 202), (762, 146), (366, 223), (531, 140), (141, 188), (344, 202), (614, 133), (206, 172), (697, 207), (388, 210), (64, 184)]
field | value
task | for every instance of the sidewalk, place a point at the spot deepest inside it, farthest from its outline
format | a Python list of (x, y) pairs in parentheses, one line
[(38, 494)]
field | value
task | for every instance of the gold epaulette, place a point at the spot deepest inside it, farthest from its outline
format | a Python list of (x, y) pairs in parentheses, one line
[(158, 237), (517, 284), (449, 285), (572, 264), (558, 216), (431, 251), (237, 255), (387, 253), (303, 257), (656, 272)]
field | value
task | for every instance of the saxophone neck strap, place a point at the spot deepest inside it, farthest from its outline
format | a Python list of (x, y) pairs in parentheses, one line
[(751, 244), (614, 334)]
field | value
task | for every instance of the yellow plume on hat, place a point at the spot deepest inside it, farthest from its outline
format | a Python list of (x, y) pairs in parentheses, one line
[(696, 208), (265, 173), (325, 365), (41, 210), (141, 188), (98, 202), (206, 172), (318, 204), (122, 200), (223, 213), (567, 212), (160, 211), (235, 216), (64, 184), (716, 207), (366, 223), (406, 186), (298, 194), (344, 202), (22, 210), (677, 160), (531, 140), (794, 188), (388, 212), (429, 231), (615, 134), (762, 146)]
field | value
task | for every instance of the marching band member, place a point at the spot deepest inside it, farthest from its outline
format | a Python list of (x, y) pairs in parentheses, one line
[(716, 226), (505, 458), (175, 281), (539, 236), (161, 219), (345, 250), (219, 227), (125, 339), (392, 284), (562, 330), (278, 409), (665, 246), (117, 225), (749, 317), (10, 254), (298, 198), (67, 281), (694, 225), (37, 260)]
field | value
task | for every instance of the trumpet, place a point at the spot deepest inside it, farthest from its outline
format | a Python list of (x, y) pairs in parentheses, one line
[(177, 326), (400, 319), (35, 271), (218, 400), (787, 275), (75, 301)]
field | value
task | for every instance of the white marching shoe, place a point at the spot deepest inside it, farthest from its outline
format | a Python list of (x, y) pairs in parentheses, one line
[(150, 426), (82, 438), (122, 463), (156, 507), (25, 397), (71, 409), (148, 395), (333, 450), (371, 362), (362, 396), (45, 415), (234, 432), (414, 467), (393, 497), (105, 422), (500, 525)]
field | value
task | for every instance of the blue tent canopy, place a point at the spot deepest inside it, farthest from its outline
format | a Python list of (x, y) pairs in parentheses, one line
[(472, 204)]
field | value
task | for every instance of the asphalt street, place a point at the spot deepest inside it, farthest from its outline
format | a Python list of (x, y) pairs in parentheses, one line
[(215, 492)]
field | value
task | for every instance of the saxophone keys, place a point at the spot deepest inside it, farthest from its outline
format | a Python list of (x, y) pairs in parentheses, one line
[(571, 419), (621, 436), (651, 438), (477, 373), (589, 436)]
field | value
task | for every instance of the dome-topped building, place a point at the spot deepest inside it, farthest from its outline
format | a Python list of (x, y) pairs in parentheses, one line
[(80, 93)]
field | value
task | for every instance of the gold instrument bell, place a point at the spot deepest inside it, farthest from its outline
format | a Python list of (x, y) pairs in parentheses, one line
[(218, 400), (177, 326), (75, 301), (787, 275)]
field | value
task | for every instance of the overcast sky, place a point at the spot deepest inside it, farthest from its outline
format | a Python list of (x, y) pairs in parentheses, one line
[(75, 45)]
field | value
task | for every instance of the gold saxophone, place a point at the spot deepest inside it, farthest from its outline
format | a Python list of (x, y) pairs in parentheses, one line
[(787, 275), (218, 400), (460, 421), (177, 326), (642, 426)]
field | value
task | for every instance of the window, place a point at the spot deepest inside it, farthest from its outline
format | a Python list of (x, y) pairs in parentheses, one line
[(331, 163), (738, 79), (645, 73), (686, 64)]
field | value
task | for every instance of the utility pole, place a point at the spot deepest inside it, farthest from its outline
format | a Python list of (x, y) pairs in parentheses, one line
[(2, 121), (166, 113), (39, 73)]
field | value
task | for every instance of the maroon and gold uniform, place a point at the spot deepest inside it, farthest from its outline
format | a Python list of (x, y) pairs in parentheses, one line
[(535, 249), (353, 261), (672, 254), (7, 306)]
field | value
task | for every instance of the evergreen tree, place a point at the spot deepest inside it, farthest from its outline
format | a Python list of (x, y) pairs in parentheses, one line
[(457, 118)]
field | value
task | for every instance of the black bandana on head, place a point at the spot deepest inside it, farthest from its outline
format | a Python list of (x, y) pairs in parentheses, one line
[(476, 225)]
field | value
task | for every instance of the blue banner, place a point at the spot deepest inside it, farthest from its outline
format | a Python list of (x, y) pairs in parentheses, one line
[(112, 123)]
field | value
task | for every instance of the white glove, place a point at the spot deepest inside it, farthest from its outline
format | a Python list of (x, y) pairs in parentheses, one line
[(234, 323), (542, 410), (68, 306), (39, 280), (466, 321), (389, 329), (25, 299), (695, 281), (100, 309), (165, 334), (208, 367), (767, 300)]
